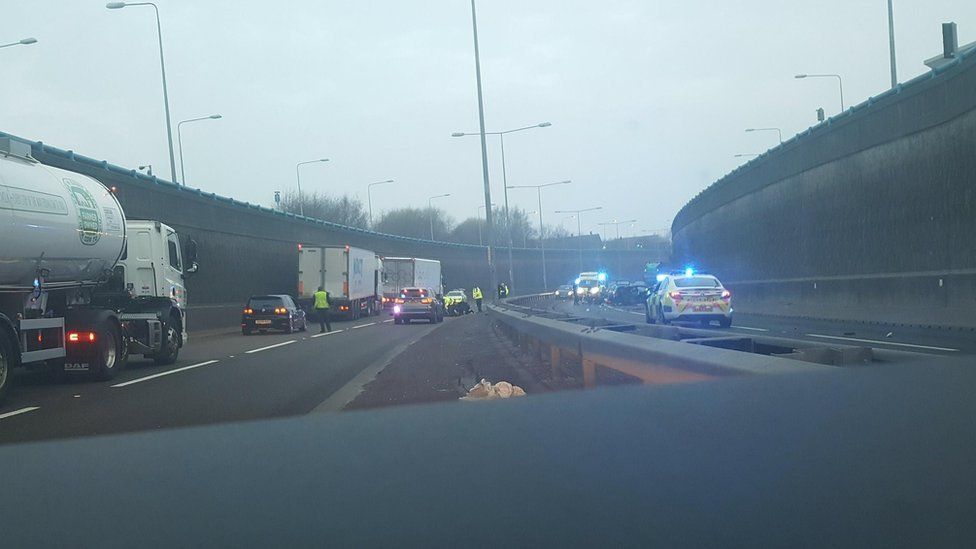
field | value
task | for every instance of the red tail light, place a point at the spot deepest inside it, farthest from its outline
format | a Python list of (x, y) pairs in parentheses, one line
[(281, 311), (398, 301), (248, 311), (675, 295), (726, 294), (78, 337)]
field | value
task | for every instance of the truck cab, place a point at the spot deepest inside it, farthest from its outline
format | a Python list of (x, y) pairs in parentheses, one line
[(154, 270)]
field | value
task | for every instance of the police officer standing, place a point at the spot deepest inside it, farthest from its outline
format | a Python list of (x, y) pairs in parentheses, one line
[(476, 294), (321, 298)]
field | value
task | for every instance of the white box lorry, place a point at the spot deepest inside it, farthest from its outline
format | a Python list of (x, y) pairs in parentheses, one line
[(409, 272), (81, 287), (350, 275)]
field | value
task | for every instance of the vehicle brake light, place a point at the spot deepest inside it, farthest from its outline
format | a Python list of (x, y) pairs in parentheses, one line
[(400, 301), (426, 300), (726, 294), (675, 295), (248, 311), (281, 311), (77, 337), (343, 308)]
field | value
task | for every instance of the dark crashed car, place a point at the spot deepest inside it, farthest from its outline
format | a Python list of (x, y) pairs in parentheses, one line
[(628, 295)]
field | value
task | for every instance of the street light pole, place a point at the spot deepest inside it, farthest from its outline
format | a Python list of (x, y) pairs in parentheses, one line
[(492, 275), (298, 177), (891, 44), (369, 199), (778, 131), (21, 42), (179, 140), (162, 66), (430, 212), (508, 218), (542, 245), (478, 220), (579, 229), (840, 84)]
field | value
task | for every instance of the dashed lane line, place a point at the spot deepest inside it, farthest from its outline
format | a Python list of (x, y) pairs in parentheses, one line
[(166, 373), (748, 328), (18, 412), (362, 325), (327, 333), (259, 349), (911, 345)]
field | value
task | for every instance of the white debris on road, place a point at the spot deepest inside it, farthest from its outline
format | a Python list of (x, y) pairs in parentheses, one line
[(486, 391)]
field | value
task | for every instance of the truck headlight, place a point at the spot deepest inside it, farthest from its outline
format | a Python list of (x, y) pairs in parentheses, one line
[(594, 291)]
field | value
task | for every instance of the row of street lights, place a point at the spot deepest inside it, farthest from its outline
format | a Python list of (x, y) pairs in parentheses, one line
[(779, 131)]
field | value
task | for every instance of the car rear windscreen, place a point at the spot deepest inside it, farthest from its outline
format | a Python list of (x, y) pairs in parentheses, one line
[(413, 292), (264, 301), (696, 282)]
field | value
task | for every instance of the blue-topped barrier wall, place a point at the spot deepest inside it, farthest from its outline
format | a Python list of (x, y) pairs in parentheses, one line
[(870, 215), (247, 249)]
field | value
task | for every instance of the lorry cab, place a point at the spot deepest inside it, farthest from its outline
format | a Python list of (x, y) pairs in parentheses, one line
[(153, 261)]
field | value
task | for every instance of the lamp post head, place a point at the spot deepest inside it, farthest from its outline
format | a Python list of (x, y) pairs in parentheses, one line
[(323, 160), (30, 40), (215, 116), (800, 76), (115, 5), (545, 124), (457, 134), (750, 129)]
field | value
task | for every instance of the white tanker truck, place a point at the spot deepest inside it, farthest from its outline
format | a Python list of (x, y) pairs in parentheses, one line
[(81, 287)]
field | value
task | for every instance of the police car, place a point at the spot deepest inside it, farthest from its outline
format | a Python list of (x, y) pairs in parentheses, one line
[(689, 296)]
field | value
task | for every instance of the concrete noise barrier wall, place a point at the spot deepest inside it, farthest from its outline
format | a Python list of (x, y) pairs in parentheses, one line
[(868, 216), (246, 249)]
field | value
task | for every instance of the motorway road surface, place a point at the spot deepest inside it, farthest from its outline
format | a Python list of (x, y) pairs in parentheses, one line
[(219, 378), (916, 340)]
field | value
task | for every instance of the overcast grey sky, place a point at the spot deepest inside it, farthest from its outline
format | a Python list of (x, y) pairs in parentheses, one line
[(648, 100)]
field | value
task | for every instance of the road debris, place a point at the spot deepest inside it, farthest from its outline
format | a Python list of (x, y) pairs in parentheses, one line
[(486, 391)]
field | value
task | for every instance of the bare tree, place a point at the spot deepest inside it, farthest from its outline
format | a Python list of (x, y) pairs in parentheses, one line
[(416, 222), (343, 210)]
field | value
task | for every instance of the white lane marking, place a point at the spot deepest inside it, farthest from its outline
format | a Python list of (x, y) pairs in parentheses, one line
[(753, 329), (18, 412), (362, 325), (912, 345), (259, 349), (166, 373), (327, 333), (390, 320)]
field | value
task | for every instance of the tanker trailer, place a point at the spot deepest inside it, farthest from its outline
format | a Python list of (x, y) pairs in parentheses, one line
[(81, 287)]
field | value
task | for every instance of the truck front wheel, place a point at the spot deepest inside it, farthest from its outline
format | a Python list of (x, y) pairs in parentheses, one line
[(110, 354), (7, 351), (169, 348)]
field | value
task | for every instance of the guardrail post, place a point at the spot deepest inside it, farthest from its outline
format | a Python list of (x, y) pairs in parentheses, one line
[(589, 373)]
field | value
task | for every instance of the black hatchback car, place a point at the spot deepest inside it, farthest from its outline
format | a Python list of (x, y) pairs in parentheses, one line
[(272, 312)]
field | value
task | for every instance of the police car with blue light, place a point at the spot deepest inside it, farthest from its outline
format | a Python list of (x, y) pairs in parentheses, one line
[(689, 297)]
